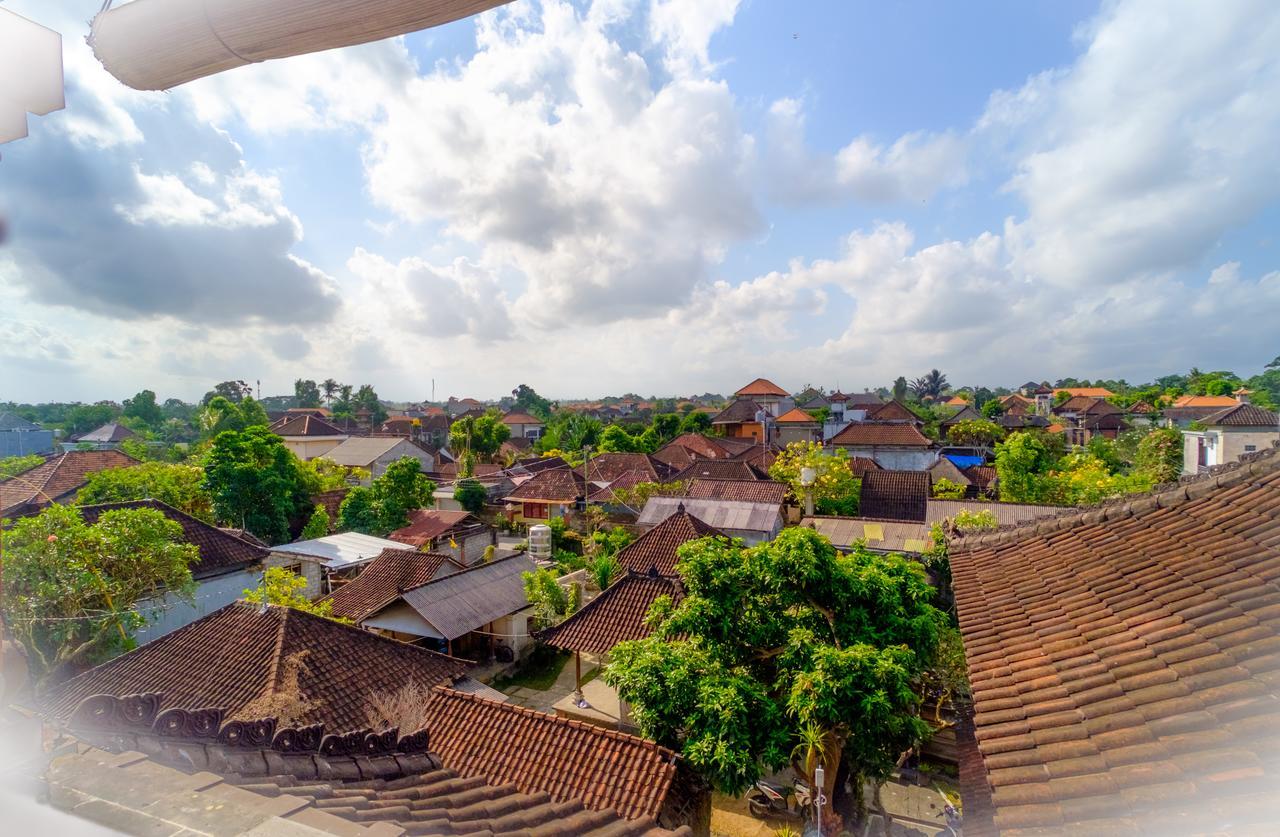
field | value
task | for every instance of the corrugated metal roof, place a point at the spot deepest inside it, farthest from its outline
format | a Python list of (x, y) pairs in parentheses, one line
[(722, 514), (341, 550), (1006, 513), (360, 451), (879, 535), (460, 603)]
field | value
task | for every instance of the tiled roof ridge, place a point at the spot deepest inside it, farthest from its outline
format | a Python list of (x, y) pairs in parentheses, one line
[(1168, 495), (565, 723), (272, 680), (141, 713), (482, 565), (628, 576)]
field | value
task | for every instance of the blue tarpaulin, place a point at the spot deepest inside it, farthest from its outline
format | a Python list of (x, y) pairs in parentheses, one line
[(963, 462)]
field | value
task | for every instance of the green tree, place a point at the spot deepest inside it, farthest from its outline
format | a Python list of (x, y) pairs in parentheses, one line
[(470, 495), (11, 466), (835, 489), (365, 398), (666, 426), (75, 592), (568, 432), (85, 417), (992, 409), (322, 474), (222, 414), (780, 643), (929, 387), (179, 486), (528, 401), (317, 525), (330, 388), (974, 432), (1022, 462), (480, 435), (1160, 456), (284, 588), (306, 393), (385, 505), (255, 483), (144, 408), (233, 391), (945, 489), (603, 570), (343, 405), (900, 389), (616, 440), (551, 602)]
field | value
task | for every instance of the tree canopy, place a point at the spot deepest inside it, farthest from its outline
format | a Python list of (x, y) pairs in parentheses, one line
[(144, 408), (528, 401), (778, 643), (284, 587), (306, 393), (974, 432), (835, 489), (180, 486), (255, 483), (72, 590), (385, 504), (479, 435)]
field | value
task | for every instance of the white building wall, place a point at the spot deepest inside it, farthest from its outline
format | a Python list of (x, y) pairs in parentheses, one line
[(212, 594)]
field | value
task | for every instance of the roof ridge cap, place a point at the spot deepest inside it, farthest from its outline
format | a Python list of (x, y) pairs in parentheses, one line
[(1167, 495)]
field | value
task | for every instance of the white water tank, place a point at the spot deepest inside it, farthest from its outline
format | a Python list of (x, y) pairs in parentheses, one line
[(540, 542)]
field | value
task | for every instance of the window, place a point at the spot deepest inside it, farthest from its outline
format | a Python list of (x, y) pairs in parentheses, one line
[(535, 510), (1250, 448)]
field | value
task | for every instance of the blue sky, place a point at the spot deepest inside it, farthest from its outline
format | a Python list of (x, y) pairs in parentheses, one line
[(663, 198)]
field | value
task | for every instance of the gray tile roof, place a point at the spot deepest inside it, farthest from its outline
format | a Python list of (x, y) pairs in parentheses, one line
[(465, 601), (721, 514)]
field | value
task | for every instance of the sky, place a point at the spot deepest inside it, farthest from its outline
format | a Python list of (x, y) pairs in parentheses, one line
[(667, 197)]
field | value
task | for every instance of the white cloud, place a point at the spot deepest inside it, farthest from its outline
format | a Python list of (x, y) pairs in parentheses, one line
[(912, 168), (554, 149), (1156, 141)]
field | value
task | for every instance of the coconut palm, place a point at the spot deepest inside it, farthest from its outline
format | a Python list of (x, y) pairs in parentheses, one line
[(930, 386)]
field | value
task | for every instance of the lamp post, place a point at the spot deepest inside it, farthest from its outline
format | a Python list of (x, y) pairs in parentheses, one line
[(819, 798), (808, 476)]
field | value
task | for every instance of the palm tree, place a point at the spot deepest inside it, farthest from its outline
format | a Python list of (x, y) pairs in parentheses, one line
[(929, 387), (330, 388)]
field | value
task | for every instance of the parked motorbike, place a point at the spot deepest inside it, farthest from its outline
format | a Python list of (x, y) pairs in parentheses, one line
[(770, 799)]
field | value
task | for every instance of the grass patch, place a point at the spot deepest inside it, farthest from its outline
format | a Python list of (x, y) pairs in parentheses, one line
[(539, 672)]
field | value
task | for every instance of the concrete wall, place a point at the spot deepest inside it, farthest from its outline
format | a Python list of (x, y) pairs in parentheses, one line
[(513, 632), (1223, 445), (892, 459), (470, 549), (307, 449), (1235, 442), (212, 594), (310, 570)]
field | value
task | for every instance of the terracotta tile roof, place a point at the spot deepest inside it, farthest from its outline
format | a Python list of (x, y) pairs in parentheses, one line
[(255, 791), (609, 466), (761, 386), (109, 432), (758, 457), (895, 495), (981, 475), (385, 578), (1243, 415), (1005, 513), (718, 469), (520, 418), (677, 456), (861, 464), (331, 500), (1204, 401), (56, 478), (751, 491), (615, 615), (1087, 405), (1125, 660), (965, 413), (425, 525), (946, 469), (604, 491), (1091, 392), (878, 434), (305, 425), (656, 549), (534, 464), (892, 411), (554, 485), (538, 752), (703, 446), (239, 653), (742, 411), (220, 552), (955, 401), (795, 416)]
